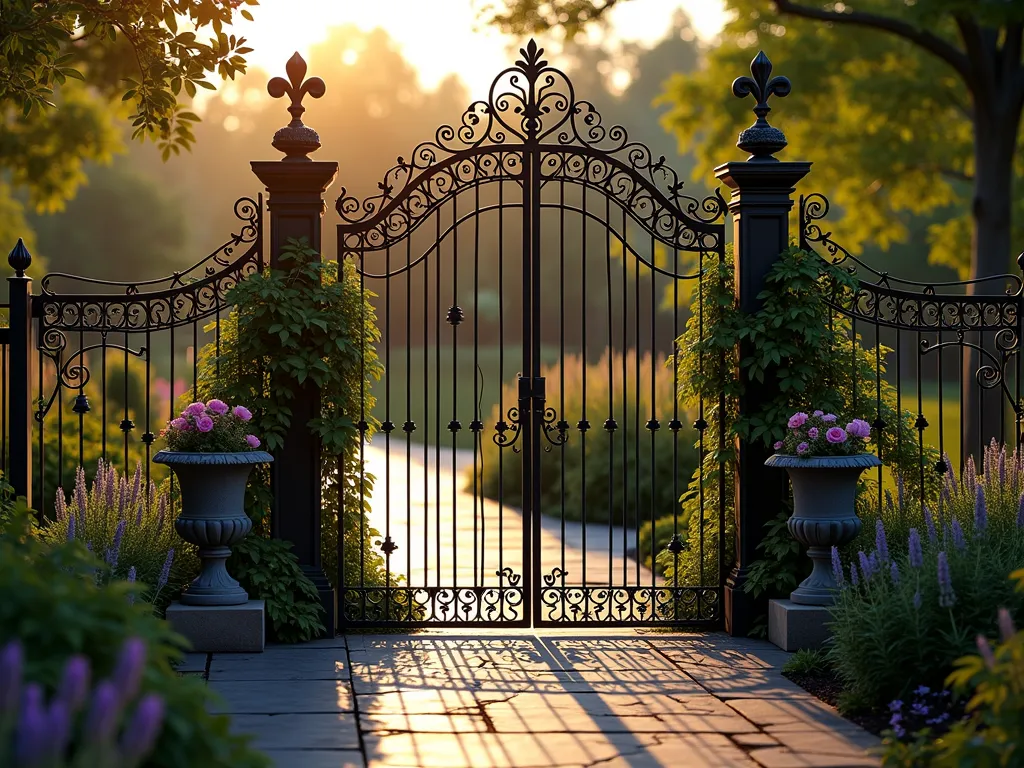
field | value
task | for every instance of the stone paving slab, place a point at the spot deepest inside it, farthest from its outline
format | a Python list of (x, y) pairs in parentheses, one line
[(277, 697), (314, 664), (316, 758), (192, 664), (532, 700)]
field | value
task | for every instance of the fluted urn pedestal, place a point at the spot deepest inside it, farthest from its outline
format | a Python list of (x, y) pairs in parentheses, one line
[(824, 514), (213, 517)]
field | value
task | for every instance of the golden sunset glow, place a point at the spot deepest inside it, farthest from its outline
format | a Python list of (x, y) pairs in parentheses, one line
[(443, 37)]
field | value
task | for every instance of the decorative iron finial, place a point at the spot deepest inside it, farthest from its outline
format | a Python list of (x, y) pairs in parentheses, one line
[(295, 139), (19, 258), (761, 140)]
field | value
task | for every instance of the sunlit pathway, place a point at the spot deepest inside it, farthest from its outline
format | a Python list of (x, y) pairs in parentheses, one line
[(529, 700), (445, 537)]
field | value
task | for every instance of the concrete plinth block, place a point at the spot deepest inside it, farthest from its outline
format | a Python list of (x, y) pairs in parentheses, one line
[(795, 627), (220, 628)]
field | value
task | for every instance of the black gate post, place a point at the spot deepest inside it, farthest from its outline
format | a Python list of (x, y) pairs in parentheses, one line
[(19, 416), (295, 187), (762, 189)]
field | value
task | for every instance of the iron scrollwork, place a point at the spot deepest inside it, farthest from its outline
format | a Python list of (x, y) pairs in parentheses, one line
[(150, 305), (531, 106)]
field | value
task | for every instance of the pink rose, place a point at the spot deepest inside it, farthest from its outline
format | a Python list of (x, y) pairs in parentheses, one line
[(819, 413), (836, 435), (196, 409), (179, 423), (802, 448), (217, 406), (242, 412), (829, 417), (253, 441), (797, 420), (204, 424), (813, 433), (778, 445), (859, 428)]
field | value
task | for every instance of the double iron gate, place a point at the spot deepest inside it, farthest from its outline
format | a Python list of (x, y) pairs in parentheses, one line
[(531, 270)]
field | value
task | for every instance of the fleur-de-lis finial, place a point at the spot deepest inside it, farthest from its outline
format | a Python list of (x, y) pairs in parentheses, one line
[(296, 140), (761, 140)]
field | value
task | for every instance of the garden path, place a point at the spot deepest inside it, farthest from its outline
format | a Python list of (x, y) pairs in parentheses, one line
[(430, 508), (448, 700)]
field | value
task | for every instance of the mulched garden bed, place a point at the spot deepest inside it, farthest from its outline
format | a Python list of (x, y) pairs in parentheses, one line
[(827, 687)]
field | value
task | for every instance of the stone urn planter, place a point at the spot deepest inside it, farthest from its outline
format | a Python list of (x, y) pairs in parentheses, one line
[(213, 517), (824, 514)]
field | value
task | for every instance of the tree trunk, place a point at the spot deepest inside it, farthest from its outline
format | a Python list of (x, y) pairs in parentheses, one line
[(986, 408)]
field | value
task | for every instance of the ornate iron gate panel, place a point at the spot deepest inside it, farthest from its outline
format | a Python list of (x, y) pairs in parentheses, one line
[(531, 269)]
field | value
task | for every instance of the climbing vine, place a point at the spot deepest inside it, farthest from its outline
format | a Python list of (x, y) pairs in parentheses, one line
[(806, 354)]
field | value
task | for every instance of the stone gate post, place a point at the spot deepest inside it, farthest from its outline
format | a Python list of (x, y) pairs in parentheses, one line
[(19, 361), (295, 188), (762, 189)]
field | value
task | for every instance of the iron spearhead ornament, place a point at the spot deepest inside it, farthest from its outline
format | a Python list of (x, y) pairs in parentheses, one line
[(761, 140), (296, 140)]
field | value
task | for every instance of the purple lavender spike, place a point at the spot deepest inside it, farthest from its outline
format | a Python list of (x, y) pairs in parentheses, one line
[(131, 580), (71, 528), (135, 498), (881, 544), (165, 572), (1006, 628), (74, 684), (140, 735), (151, 500), (58, 726), (959, 542), (837, 567), (115, 550), (81, 497), (60, 505), (99, 483), (914, 547), (11, 664), (130, 666), (31, 737), (122, 501), (946, 595), (111, 486), (894, 572), (853, 574), (1002, 465), (103, 714), (980, 511), (951, 474), (1020, 512), (929, 524), (900, 491), (138, 517), (970, 470), (865, 566)]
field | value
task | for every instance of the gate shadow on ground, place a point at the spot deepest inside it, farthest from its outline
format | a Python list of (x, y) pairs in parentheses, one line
[(502, 699)]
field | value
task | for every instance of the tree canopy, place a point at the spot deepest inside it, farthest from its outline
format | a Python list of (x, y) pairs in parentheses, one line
[(72, 71), (907, 110)]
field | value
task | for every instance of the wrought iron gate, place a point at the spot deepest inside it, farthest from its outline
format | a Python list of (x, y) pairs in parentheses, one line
[(531, 269)]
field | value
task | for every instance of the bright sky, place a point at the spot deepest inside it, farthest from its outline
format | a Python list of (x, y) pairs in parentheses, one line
[(440, 37)]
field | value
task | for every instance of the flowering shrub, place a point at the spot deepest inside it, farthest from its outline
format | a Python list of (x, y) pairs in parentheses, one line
[(211, 427), (905, 613), (130, 530), (992, 733), (54, 609), (821, 434), (79, 726)]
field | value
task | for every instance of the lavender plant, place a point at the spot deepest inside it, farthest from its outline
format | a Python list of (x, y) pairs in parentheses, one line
[(131, 528), (988, 498), (109, 725), (908, 608)]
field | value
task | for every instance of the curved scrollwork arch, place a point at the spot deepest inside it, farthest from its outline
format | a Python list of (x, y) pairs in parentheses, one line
[(176, 300), (531, 112)]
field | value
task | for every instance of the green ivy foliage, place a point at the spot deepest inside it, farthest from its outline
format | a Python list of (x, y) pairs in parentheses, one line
[(307, 324), (268, 569), (809, 356)]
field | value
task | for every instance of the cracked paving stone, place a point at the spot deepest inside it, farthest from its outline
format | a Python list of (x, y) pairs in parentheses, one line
[(281, 664), (418, 723), (557, 750), (730, 682), (614, 713), (802, 714), (607, 654), (738, 658), (276, 697)]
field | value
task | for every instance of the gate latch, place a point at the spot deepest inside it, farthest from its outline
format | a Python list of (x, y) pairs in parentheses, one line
[(531, 388)]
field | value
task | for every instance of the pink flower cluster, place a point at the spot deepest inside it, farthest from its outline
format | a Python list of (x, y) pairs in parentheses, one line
[(205, 417), (820, 434)]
